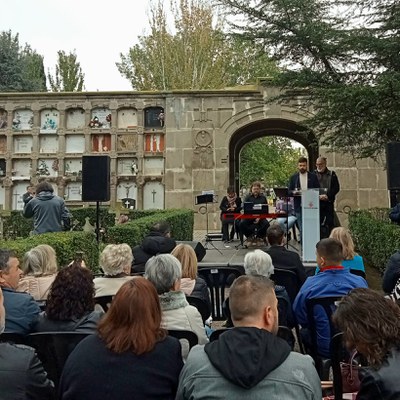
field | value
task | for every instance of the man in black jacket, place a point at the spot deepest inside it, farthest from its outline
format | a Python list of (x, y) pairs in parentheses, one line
[(282, 257), (330, 182), (158, 241)]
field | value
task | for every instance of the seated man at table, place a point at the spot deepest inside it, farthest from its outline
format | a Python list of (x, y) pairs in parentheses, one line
[(256, 227)]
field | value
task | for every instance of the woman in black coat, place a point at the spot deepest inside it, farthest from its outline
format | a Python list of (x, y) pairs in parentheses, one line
[(230, 204), (131, 357)]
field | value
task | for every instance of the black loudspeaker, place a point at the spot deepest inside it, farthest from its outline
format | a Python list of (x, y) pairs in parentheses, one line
[(393, 165), (197, 247), (95, 178)]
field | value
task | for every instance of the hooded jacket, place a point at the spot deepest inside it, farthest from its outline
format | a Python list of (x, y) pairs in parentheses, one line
[(154, 243), (47, 210), (248, 363)]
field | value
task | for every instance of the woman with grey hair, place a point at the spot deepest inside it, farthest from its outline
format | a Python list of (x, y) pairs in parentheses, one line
[(258, 262), (115, 261), (40, 269), (164, 272)]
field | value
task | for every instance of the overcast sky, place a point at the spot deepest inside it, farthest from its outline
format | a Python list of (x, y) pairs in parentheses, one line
[(98, 30)]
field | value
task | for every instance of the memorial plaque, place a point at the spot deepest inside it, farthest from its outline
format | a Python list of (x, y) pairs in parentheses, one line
[(127, 166), (154, 142), (127, 142), (127, 190), (17, 190), (101, 118), (48, 144), (74, 143), (127, 118), (21, 169), (73, 191), (153, 196), (73, 167), (75, 118), (23, 144), (154, 166), (49, 121), (22, 120), (101, 143), (3, 144)]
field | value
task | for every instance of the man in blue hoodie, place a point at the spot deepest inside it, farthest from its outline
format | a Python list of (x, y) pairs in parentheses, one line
[(47, 209), (249, 361)]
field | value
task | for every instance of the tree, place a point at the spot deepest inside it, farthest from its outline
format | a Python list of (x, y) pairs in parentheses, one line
[(270, 159), (68, 76), (21, 70), (342, 58), (197, 55)]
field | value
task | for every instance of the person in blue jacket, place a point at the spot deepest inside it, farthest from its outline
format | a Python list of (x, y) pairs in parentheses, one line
[(333, 280)]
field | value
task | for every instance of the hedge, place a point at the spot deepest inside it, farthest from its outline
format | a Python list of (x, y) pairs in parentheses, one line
[(64, 243), (133, 232), (376, 238)]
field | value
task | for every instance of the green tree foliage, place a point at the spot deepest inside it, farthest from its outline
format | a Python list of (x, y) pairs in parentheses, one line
[(270, 159), (21, 69), (193, 54), (341, 57), (68, 75)]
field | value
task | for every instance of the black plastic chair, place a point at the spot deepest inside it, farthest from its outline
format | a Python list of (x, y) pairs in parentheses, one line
[(53, 349), (190, 336), (288, 279), (217, 279), (358, 272), (15, 338), (217, 333), (201, 306), (104, 302), (327, 304)]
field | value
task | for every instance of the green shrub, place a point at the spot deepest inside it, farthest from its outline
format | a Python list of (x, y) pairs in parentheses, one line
[(376, 238), (133, 232), (64, 243)]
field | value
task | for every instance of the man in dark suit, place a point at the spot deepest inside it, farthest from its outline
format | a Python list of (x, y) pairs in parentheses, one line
[(301, 180), (282, 257)]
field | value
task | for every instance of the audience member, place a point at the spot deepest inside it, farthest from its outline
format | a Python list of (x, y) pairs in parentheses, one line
[(230, 204), (40, 269), (70, 303), (115, 261), (283, 206), (394, 213), (371, 325), (301, 180), (333, 280), (164, 272), (131, 357), (329, 181), (21, 373), (351, 260), (191, 283), (249, 361), (257, 226), (47, 209), (258, 262), (281, 256), (158, 241), (392, 273), (21, 309), (395, 295)]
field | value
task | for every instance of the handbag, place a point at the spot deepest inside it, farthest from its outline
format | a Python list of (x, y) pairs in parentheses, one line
[(350, 378)]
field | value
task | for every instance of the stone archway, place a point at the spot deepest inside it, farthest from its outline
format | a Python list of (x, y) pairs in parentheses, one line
[(269, 127)]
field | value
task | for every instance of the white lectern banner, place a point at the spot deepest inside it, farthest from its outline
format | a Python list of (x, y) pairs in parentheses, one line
[(310, 214)]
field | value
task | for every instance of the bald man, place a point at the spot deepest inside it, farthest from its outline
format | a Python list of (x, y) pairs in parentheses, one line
[(249, 361), (330, 182)]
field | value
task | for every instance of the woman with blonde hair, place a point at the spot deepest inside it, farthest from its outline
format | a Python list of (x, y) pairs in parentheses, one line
[(191, 284), (115, 261), (351, 260), (40, 269)]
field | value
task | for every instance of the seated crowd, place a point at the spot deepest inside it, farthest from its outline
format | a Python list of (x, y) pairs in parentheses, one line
[(128, 353)]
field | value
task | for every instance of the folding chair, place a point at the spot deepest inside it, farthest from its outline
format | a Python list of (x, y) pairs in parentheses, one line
[(201, 306), (189, 336)]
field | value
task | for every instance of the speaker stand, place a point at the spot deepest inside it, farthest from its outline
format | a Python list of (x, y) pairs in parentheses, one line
[(98, 222)]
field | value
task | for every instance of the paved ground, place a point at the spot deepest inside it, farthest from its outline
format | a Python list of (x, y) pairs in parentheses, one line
[(218, 252)]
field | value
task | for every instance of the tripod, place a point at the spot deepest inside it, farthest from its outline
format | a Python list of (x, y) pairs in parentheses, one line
[(206, 199)]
